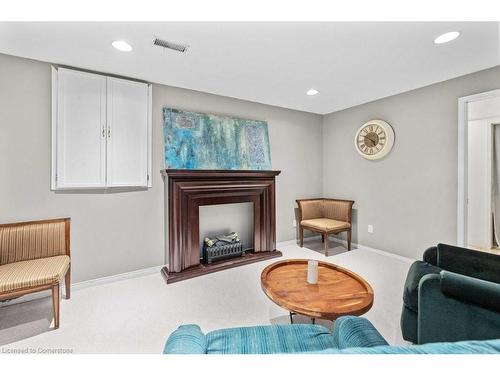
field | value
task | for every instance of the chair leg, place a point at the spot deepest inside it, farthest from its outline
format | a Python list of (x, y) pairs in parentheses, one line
[(67, 284), (301, 237), (55, 302), (327, 239), (348, 240)]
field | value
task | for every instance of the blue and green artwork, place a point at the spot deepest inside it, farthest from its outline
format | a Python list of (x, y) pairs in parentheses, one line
[(204, 141)]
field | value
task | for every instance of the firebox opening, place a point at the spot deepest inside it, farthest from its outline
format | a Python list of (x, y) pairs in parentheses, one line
[(222, 219)]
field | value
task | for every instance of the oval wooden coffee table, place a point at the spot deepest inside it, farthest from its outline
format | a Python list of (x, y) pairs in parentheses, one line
[(338, 291)]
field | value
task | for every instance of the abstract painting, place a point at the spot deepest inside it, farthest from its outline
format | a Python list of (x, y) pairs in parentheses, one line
[(195, 140)]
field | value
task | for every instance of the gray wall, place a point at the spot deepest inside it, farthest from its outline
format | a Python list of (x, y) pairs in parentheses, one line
[(410, 195), (119, 232)]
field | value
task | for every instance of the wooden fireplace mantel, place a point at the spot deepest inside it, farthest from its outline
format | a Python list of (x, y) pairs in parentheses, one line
[(187, 190)]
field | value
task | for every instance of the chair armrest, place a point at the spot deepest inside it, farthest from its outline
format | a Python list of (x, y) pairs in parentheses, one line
[(472, 290), (354, 332), (443, 317), (187, 339)]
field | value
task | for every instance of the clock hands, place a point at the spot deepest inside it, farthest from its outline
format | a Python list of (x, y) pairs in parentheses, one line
[(373, 140)]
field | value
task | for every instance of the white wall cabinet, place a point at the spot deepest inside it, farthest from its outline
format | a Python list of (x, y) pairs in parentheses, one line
[(101, 131)]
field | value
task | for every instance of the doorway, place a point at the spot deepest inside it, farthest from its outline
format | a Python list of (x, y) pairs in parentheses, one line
[(479, 171)]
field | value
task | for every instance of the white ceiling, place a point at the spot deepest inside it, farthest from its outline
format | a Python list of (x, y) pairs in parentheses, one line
[(273, 63)]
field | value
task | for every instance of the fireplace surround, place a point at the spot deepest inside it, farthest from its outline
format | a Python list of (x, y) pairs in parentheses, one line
[(187, 190)]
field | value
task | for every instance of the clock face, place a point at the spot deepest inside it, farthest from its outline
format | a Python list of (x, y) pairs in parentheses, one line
[(374, 139)]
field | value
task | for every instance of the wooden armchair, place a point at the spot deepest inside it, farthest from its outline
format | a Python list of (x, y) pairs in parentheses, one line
[(35, 256), (325, 216)]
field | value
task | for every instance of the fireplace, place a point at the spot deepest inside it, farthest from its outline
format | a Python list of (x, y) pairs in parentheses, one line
[(187, 190)]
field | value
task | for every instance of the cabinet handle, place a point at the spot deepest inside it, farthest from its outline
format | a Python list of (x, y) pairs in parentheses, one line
[(103, 132), (109, 132)]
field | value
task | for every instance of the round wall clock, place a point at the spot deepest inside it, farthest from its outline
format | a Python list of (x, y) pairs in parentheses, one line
[(374, 139)]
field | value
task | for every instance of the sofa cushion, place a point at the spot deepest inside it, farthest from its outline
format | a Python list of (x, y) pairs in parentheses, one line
[(417, 270), (32, 273), (324, 224), (462, 347), (469, 289), (293, 338)]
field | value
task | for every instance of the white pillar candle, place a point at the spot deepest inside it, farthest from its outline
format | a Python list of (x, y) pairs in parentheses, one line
[(312, 272)]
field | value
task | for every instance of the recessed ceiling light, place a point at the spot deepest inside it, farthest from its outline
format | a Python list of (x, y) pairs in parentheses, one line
[(122, 45), (447, 37), (312, 92)]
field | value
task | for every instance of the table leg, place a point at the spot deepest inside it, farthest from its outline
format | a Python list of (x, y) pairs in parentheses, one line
[(291, 317), (313, 320)]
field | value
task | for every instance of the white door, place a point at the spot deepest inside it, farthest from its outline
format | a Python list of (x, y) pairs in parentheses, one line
[(127, 119), (81, 130)]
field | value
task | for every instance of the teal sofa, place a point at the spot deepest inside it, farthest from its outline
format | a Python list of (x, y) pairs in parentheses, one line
[(453, 294), (351, 335)]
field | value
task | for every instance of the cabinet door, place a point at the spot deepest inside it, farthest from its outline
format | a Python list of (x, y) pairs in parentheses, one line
[(80, 130), (127, 146)]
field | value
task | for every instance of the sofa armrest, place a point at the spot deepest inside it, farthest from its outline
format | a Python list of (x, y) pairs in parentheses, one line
[(472, 290), (445, 318), (353, 332), (187, 339), (430, 255), (416, 272)]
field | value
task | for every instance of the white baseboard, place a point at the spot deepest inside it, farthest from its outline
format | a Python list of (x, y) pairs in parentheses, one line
[(367, 248), (86, 284), (344, 242), (115, 278), (296, 241), (386, 253), (285, 243)]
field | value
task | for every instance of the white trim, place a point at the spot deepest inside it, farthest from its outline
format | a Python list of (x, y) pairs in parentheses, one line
[(387, 254), (286, 243), (53, 128), (462, 161), (296, 241), (150, 136), (354, 245), (373, 250), (88, 284), (114, 278)]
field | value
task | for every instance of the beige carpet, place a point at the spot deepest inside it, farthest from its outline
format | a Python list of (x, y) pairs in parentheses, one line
[(137, 315)]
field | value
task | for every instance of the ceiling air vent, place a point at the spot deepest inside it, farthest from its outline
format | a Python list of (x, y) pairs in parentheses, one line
[(170, 45)]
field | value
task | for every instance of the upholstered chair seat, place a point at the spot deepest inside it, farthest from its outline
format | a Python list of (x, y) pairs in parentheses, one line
[(324, 224), (33, 273)]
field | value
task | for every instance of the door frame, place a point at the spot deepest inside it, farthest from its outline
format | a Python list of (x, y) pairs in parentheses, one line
[(462, 160)]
